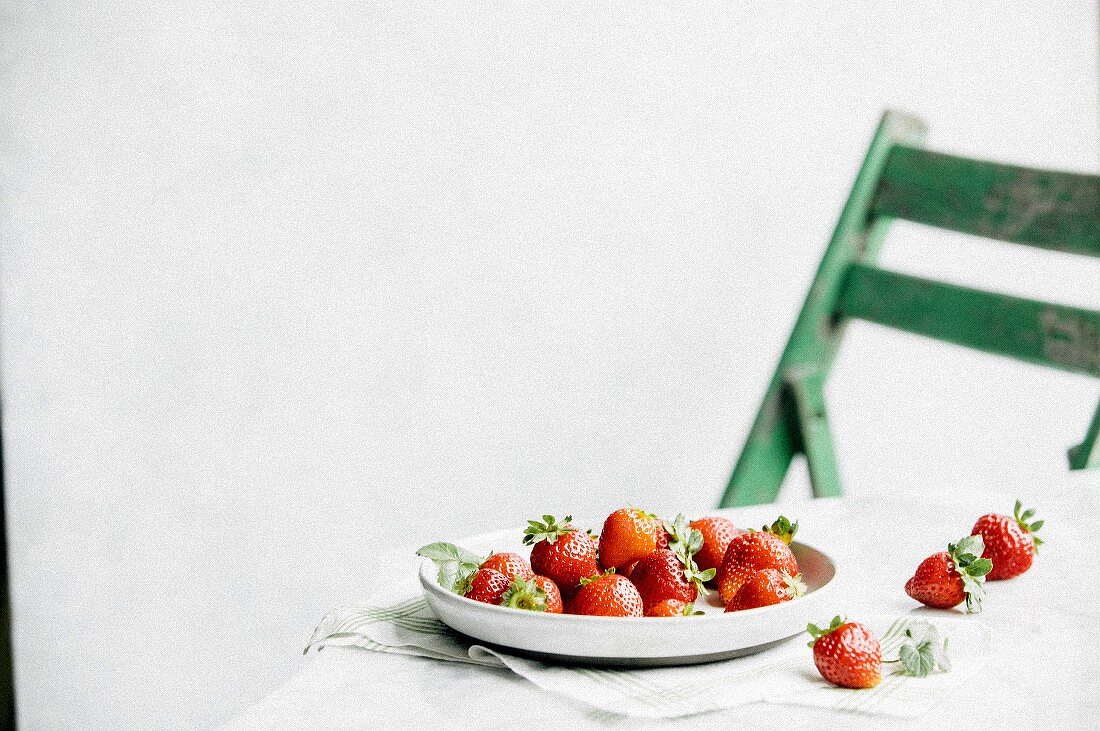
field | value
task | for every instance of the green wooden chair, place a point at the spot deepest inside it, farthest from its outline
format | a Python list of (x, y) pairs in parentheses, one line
[(900, 179)]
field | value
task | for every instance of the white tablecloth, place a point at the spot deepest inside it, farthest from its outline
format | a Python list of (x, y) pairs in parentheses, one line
[(1045, 670)]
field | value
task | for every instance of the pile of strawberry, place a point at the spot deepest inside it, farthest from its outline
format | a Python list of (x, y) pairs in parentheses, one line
[(639, 565)]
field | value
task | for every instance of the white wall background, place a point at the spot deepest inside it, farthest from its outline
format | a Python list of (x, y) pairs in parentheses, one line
[(287, 283)]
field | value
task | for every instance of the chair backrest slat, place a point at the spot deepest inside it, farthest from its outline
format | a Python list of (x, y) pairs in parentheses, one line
[(899, 179), (1052, 335), (1052, 210)]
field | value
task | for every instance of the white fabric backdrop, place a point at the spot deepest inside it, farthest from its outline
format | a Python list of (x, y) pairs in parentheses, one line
[(284, 283)]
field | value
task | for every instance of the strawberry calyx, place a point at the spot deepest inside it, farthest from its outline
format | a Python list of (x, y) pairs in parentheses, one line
[(1022, 520), (817, 633), (794, 588), (685, 543), (783, 529), (457, 566), (589, 579), (966, 556), (691, 611), (645, 513), (549, 530), (524, 595)]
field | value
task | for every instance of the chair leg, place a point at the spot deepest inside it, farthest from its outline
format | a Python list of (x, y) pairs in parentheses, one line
[(764, 460), (1087, 454), (7, 663), (807, 389)]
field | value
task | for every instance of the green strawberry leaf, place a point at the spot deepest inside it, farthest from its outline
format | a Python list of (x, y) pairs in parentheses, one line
[(924, 653), (1022, 520), (456, 565), (980, 567), (548, 530), (970, 545), (682, 536), (971, 569), (974, 593), (691, 611), (442, 551)]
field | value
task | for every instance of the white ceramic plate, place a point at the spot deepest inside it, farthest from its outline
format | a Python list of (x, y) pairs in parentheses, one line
[(633, 641)]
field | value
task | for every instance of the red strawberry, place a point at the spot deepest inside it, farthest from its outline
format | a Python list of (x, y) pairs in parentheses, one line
[(672, 608), (671, 573), (946, 579), (847, 654), (607, 595), (717, 534), (628, 534), (511, 565), (538, 594), (488, 585), (765, 588), (561, 553), (749, 553), (660, 576), (1009, 542), (553, 595)]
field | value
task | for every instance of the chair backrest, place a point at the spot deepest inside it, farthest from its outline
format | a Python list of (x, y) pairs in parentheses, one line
[(899, 179)]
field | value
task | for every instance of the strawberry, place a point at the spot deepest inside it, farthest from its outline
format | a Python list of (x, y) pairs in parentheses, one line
[(538, 594), (671, 573), (766, 587), (511, 565), (946, 579), (607, 595), (660, 576), (628, 534), (561, 553), (751, 552), (717, 534), (846, 654), (554, 603), (487, 585), (1009, 542), (672, 608)]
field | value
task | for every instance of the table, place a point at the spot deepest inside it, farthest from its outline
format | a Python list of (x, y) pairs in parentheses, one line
[(1045, 669)]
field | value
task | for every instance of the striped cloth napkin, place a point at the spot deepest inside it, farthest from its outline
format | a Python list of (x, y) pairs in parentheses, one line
[(783, 675)]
